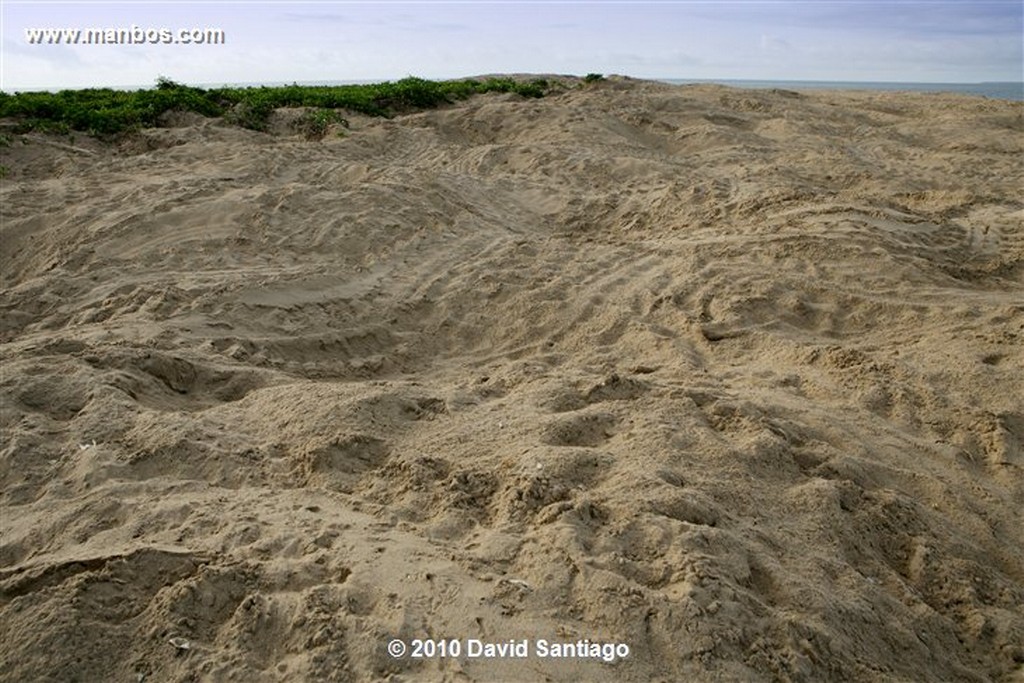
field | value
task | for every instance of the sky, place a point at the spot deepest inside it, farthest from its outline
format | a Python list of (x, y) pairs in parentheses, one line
[(934, 41)]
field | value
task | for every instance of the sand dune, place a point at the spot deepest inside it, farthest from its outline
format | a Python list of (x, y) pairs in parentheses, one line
[(731, 377)]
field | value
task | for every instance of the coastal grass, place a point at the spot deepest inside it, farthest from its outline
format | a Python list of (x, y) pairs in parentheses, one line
[(104, 111)]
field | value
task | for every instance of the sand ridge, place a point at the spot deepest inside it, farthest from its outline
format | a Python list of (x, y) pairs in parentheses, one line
[(730, 376)]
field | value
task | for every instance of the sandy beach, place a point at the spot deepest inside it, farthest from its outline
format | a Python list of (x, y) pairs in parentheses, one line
[(734, 378)]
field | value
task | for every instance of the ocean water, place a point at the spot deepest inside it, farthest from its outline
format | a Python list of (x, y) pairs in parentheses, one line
[(1000, 91)]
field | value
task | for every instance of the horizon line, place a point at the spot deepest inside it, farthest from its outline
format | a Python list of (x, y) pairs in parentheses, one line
[(363, 81)]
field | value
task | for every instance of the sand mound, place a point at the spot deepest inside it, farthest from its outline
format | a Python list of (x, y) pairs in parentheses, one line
[(731, 377)]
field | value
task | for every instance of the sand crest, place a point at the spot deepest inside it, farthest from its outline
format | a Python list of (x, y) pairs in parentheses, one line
[(731, 377)]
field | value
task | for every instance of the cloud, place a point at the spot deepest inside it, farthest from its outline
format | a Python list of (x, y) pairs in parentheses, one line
[(774, 44), (446, 27), (35, 66), (55, 54), (661, 60), (319, 18), (561, 26), (401, 22)]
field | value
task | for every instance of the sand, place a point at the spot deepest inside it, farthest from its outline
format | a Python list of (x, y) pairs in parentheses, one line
[(731, 377)]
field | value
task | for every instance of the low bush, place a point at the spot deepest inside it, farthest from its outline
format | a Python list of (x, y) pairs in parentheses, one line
[(105, 111), (314, 123)]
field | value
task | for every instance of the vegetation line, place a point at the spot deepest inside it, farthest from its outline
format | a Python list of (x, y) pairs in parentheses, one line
[(106, 112)]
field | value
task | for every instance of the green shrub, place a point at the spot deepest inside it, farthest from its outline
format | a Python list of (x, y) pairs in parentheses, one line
[(164, 83), (106, 112), (253, 114), (593, 78), (314, 123)]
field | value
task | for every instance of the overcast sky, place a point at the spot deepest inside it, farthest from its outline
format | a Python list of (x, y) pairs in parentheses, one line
[(273, 42)]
